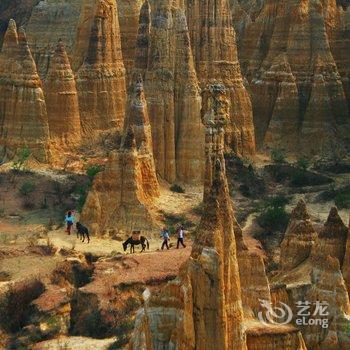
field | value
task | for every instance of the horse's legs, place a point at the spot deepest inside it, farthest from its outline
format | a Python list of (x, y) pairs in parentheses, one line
[(83, 235)]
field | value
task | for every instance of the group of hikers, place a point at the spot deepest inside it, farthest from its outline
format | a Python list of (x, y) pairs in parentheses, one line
[(82, 231), (166, 237)]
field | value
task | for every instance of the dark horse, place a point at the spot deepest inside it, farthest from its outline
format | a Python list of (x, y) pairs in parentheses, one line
[(143, 241), (82, 231)]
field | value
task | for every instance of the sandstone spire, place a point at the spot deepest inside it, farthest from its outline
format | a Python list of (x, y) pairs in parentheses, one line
[(137, 119), (62, 100), (137, 115), (215, 54), (101, 78), (23, 110), (298, 239), (164, 58), (129, 181), (206, 299), (332, 239), (117, 198)]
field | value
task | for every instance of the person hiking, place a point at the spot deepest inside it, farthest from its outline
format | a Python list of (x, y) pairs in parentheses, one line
[(69, 221), (165, 236), (180, 237)]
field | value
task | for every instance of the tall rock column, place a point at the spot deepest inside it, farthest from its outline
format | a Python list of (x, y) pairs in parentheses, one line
[(62, 100), (23, 117), (203, 306), (215, 54), (101, 77), (164, 58), (215, 117), (137, 118), (122, 196)]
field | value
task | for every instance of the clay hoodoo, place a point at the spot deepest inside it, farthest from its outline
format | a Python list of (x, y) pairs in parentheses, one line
[(294, 102), (50, 21), (62, 100), (23, 114), (215, 55), (299, 238), (164, 58), (332, 239), (101, 77), (122, 196)]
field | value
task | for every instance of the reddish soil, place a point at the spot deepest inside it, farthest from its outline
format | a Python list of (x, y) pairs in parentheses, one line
[(144, 268)]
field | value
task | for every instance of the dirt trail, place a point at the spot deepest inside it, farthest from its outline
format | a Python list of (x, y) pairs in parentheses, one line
[(97, 246)]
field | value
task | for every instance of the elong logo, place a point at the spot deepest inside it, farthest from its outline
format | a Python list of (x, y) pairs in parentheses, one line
[(283, 313)]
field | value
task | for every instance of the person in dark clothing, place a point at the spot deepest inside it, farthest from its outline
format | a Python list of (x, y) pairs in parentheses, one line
[(180, 237), (165, 236)]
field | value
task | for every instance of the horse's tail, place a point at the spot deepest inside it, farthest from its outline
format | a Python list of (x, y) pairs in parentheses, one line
[(147, 243)]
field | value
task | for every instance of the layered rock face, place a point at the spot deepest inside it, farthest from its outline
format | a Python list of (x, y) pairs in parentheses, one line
[(101, 76), (164, 58), (298, 239), (62, 100), (122, 196), (215, 55), (49, 22), (293, 58), (328, 287), (23, 117), (129, 12), (332, 239)]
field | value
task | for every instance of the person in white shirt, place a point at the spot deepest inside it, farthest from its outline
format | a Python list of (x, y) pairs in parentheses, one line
[(180, 237)]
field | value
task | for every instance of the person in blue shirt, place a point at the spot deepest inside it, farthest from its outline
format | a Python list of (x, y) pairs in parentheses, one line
[(69, 221), (165, 236)]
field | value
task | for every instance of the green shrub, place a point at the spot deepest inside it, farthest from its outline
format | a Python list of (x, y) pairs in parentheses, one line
[(177, 188), (277, 156), (27, 188), (22, 159), (273, 215), (92, 171), (303, 163)]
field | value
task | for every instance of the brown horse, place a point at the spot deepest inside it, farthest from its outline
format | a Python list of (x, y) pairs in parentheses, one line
[(143, 241)]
